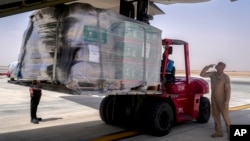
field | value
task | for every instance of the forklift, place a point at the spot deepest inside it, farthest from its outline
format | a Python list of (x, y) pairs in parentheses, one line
[(177, 100)]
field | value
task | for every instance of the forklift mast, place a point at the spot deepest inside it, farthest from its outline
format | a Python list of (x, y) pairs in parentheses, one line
[(127, 9)]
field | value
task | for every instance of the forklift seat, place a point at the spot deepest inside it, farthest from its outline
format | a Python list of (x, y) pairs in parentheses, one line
[(170, 76)]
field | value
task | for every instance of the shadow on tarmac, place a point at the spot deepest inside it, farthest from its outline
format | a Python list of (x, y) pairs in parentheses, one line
[(50, 119), (70, 132), (89, 101), (86, 131)]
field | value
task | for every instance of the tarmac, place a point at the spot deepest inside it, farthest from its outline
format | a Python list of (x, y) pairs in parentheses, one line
[(76, 117)]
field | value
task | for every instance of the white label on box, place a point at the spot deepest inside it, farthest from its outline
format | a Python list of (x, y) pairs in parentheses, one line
[(147, 50), (94, 55)]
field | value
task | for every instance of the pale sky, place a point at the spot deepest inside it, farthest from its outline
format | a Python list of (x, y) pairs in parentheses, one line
[(218, 30)]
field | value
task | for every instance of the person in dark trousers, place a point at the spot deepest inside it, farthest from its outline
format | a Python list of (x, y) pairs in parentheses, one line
[(35, 95)]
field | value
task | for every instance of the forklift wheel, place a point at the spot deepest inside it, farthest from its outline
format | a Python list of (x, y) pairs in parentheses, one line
[(204, 110), (159, 119), (106, 109)]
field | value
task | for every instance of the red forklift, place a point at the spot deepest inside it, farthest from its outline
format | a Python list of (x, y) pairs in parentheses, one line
[(176, 100)]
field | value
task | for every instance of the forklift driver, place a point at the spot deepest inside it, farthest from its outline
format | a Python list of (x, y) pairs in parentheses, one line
[(170, 71)]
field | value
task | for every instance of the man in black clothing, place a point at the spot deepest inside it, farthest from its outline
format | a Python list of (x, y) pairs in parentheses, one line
[(35, 95)]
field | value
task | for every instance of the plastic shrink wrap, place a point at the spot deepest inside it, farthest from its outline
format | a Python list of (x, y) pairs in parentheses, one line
[(87, 48)]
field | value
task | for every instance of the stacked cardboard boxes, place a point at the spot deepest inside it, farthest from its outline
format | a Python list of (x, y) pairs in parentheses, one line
[(39, 43), (137, 50), (86, 48), (153, 54), (129, 38)]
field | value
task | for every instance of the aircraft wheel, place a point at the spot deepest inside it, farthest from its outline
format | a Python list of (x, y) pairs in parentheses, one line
[(204, 110), (159, 119)]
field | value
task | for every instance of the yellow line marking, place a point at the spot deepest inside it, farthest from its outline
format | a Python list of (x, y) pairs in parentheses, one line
[(117, 136), (240, 107)]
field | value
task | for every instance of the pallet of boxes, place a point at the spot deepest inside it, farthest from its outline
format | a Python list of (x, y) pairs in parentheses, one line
[(90, 49)]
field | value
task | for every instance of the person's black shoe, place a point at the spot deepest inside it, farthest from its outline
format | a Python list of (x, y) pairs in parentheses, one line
[(35, 121), (39, 119)]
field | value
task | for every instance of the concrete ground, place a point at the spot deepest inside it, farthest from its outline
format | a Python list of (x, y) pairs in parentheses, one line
[(76, 117)]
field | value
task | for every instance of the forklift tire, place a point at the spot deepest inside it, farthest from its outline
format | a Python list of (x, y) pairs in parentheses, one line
[(105, 109), (112, 111), (159, 119), (204, 110)]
